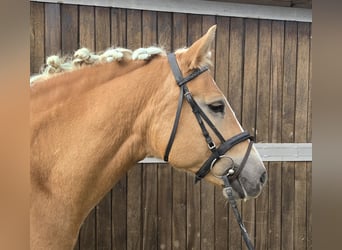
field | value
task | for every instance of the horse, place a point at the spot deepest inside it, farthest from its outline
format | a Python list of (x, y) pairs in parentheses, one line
[(92, 120)]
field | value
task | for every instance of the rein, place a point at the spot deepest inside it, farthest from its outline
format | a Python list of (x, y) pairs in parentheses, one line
[(217, 153)]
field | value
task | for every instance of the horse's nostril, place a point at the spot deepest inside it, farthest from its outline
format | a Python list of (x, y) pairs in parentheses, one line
[(263, 177)]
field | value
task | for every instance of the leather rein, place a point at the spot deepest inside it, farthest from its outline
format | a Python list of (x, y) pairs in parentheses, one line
[(217, 152)]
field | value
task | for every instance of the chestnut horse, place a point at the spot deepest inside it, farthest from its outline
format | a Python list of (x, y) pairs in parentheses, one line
[(90, 125)]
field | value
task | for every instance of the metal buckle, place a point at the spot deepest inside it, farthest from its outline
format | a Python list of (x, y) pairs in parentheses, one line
[(211, 146)]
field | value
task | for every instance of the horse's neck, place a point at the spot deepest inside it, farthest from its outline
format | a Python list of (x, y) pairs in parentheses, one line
[(64, 86), (89, 141)]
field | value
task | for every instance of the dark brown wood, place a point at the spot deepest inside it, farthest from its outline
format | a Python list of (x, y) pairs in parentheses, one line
[(274, 173), (262, 125), (87, 239), (236, 65), (118, 28), (87, 27), (119, 214), (69, 26), (301, 128), (102, 28), (288, 171), (36, 36), (52, 29)]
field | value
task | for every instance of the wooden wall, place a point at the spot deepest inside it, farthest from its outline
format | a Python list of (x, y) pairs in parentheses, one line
[(264, 68)]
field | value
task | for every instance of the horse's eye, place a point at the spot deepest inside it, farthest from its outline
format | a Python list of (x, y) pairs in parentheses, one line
[(217, 107)]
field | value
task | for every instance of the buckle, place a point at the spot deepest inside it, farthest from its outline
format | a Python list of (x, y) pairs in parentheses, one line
[(211, 145)]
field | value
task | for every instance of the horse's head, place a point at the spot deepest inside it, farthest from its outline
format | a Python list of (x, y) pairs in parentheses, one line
[(189, 150)]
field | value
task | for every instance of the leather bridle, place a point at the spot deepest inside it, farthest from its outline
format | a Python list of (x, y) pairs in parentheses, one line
[(217, 153)]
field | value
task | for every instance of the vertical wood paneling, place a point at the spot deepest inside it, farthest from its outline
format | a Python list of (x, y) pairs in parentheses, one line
[(262, 125), (102, 28), (87, 27), (52, 29), (179, 178), (264, 68), (301, 125), (288, 172), (309, 164), (118, 28), (274, 173), (69, 26), (36, 36)]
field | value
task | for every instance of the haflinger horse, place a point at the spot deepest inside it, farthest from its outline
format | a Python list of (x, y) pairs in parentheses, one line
[(93, 121)]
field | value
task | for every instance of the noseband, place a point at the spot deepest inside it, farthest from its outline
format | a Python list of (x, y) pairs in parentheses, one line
[(216, 152)]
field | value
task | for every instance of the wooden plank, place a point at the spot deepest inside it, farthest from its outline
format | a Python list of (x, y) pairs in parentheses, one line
[(87, 238), (249, 107), (150, 175), (69, 28), (52, 29), (119, 214), (288, 115), (236, 65), (118, 27), (87, 27), (262, 126), (193, 191), (134, 181), (164, 207), (179, 178), (309, 165), (235, 70), (37, 55), (134, 208), (222, 49), (149, 208), (274, 171), (301, 128), (164, 171), (102, 28)]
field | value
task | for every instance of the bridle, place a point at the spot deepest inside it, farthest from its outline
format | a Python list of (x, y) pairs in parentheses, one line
[(217, 153)]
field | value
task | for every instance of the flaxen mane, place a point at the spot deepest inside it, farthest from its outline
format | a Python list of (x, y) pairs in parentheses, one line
[(84, 57)]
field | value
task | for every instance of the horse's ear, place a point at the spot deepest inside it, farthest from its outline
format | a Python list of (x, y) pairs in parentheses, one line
[(198, 55)]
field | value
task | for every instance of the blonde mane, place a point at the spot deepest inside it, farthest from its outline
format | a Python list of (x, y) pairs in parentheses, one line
[(82, 57)]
